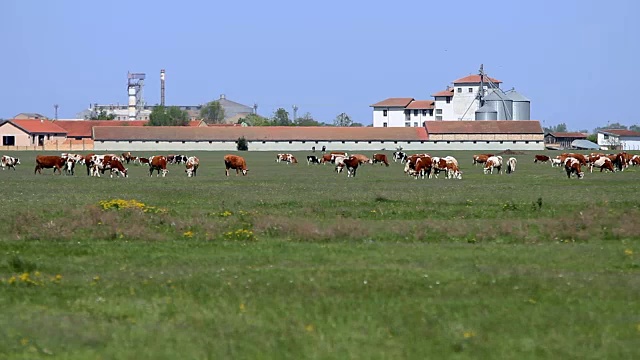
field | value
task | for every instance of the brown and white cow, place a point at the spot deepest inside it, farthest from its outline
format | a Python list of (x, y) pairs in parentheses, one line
[(580, 157), (126, 156), (380, 158), (235, 162), (511, 165), (111, 163), (481, 158), (493, 162), (192, 166), (351, 163), (362, 158), (9, 162), (158, 163), (422, 167), (541, 158), (411, 162), (635, 160), (602, 162), (49, 162), (572, 166)]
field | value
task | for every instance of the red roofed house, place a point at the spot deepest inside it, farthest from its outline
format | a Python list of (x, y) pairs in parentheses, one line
[(402, 112), (562, 140), (619, 139), (454, 103), (19, 132)]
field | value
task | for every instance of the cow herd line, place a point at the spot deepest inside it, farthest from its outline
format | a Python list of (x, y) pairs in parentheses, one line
[(416, 165)]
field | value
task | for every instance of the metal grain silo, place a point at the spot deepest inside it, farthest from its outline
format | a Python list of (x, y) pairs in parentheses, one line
[(501, 103), (486, 113), (521, 105)]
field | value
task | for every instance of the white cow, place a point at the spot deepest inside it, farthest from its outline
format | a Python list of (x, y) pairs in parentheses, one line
[(339, 161), (493, 162), (192, 166), (511, 165), (9, 161), (556, 162)]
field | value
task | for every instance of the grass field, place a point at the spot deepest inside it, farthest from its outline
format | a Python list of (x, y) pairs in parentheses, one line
[(295, 261)]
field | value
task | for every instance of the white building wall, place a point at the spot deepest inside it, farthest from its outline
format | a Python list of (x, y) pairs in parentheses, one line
[(163, 146), (446, 112), (627, 143), (394, 118)]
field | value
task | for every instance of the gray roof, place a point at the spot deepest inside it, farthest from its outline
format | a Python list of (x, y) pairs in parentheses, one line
[(516, 96), (585, 144), (486, 109), (497, 95)]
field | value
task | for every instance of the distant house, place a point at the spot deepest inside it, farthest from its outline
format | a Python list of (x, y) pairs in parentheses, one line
[(618, 139), (19, 132), (32, 116), (562, 140), (402, 112)]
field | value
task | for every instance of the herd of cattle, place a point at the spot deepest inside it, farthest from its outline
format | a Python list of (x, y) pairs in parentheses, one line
[(417, 165)]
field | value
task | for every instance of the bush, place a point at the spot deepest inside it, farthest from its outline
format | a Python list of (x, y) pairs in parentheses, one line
[(243, 144)]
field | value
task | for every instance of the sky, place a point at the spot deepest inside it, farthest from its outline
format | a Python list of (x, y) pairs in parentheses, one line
[(574, 59)]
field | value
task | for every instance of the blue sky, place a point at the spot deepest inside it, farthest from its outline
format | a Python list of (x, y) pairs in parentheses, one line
[(575, 60)]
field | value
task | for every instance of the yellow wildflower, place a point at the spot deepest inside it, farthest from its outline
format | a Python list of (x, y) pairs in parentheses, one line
[(468, 334), (24, 341), (24, 277), (12, 280), (309, 328), (188, 234), (628, 252), (242, 307)]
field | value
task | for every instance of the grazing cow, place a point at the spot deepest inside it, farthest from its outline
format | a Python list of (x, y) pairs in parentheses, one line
[(511, 165), (635, 160), (235, 162), (493, 162), (422, 167), (541, 158), (399, 155), (351, 163), (312, 159), (9, 161), (288, 158), (143, 161), (88, 163), (380, 158), (581, 158), (179, 159), (339, 161), (170, 158), (602, 162), (326, 158), (556, 162), (481, 158), (158, 163), (192, 166), (362, 158), (572, 166), (126, 156), (338, 153), (410, 162), (48, 162), (70, 162), (111, 163), (280, 157)]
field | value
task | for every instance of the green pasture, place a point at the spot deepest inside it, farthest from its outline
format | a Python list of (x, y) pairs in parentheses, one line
[(298, 262)]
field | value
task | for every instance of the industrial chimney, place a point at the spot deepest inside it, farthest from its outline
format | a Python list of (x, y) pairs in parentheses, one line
[(162, 87)]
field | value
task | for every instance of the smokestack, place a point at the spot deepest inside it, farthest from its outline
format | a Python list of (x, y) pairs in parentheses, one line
[(162, 87)]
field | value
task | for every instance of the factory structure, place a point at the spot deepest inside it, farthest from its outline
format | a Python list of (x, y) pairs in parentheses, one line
[(137, 109), (471, 98)]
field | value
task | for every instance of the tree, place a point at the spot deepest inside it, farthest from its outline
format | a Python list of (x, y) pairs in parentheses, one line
[(342, 120), (562, 127), (168, 116), (610, 126), (242, 144), (102, 115), (254, 120), (281, 118), (306, 120), (212, 112), (634, 127), (356, 124)]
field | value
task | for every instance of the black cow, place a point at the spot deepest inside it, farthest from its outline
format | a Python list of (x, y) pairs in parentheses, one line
[(399, 155), (312, 159)]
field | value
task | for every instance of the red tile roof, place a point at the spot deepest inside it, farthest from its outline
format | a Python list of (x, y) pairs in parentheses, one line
[(484, 127), (577, 135), (259, 133), (421, 104), (472, 79), (82, 128), (448, 92), (622, 132), (38, 126), (393, 102)]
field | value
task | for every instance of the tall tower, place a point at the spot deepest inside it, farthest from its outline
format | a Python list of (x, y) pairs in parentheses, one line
[(162, 87), (135, 83)]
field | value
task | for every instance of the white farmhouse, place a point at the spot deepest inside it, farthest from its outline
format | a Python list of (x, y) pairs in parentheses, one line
[(402, 112), (618, 139)]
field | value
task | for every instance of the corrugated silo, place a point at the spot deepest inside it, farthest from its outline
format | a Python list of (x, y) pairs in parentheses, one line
[(501, 103), (521, 105), (486, 113)]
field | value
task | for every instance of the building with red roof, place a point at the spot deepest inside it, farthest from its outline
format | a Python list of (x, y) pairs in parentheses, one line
[(619, 139), (24, 132)]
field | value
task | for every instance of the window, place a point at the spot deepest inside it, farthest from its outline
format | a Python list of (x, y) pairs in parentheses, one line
[(439, 118), (384, 124), (475, 142), (407, 124), (439, 111), (384, 112), (415, 112), (448, 99), (415, 124), (430, 112), (424, 112), (8, 140), (470, 90), (459, 90)]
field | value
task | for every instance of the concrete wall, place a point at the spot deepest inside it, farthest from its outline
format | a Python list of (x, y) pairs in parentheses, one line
[(109, 146)]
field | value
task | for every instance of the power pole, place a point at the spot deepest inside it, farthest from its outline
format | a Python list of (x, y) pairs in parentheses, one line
[(55, 106)]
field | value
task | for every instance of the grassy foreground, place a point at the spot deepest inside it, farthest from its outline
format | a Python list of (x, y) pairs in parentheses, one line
[(294, 261)]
